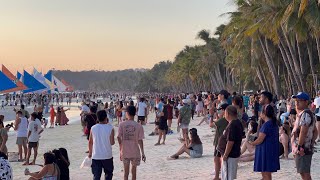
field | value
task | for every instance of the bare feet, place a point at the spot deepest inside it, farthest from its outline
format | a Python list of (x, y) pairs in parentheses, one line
[(163, 143), (173, 157), (25, 164), (157, 144)]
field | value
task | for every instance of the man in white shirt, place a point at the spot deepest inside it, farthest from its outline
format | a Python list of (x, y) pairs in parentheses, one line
[(142, 111), (34, 131), (100, 147), (21, 126)]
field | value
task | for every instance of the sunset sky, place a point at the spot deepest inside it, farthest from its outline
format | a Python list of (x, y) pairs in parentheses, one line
[(101, 34)]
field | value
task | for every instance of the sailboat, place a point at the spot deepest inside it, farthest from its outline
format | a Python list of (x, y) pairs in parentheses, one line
[(19, 84), (6, 83), (32, 83)]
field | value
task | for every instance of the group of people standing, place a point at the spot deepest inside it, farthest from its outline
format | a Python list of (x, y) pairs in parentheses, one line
[(266, 137)]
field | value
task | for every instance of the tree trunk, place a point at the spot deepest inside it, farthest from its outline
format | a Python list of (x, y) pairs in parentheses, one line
[(294, 59), (300, 56), (311, 66), (318, 47), (290, 70), (218, 75), (275, 77), (291, 63), (262, 82)]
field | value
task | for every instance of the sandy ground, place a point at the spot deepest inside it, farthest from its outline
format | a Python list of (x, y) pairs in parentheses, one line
[(157, 166)]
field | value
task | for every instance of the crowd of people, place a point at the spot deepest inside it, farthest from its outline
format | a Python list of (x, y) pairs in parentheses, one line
[(257, 127)]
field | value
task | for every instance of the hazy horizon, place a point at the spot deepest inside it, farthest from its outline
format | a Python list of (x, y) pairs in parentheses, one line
[(102, 35)]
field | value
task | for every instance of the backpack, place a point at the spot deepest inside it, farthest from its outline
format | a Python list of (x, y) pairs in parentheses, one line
[(312, 116)]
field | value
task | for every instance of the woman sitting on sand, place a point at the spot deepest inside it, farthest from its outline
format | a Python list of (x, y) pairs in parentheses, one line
[(194, 149), (62, 162), (251, 136), (50, 170), (284, 140)]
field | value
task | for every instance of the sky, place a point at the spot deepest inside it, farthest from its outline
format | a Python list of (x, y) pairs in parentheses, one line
[(101, 34)]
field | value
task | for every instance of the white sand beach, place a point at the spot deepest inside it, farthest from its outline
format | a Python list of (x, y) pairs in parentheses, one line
[(156, 167)]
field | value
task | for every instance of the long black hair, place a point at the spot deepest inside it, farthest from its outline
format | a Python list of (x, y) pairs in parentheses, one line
[(268, 110), (195, 139)]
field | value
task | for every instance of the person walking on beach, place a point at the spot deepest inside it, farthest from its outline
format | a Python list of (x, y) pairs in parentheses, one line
[(230, 144), (163, 125), (304, 135), (52, 116), (184, 120), (266, 158), (90, 120), (34, 131), (21, 126), (84, 110), (130, 138), (220, 125), (101, 141), (142, 111)]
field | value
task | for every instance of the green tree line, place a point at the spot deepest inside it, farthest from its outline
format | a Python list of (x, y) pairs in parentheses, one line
[(267, 44)]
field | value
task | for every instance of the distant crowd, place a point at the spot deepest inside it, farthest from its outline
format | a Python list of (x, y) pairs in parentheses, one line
[(255, 127)]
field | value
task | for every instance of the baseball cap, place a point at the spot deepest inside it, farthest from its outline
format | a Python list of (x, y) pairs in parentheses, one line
[(302, 95), (223, 106)]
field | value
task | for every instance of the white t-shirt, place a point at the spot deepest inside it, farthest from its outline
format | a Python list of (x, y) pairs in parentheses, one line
[(85, 108), (317, 102), (35, 128), (22, 130), (142, 109), (101, 148)]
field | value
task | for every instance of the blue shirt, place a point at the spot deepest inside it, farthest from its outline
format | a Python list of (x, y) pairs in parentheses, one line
[(160, 106), (283, 117)]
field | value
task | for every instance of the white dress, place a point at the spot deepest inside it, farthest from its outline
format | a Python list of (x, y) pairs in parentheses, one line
[(199, 106)]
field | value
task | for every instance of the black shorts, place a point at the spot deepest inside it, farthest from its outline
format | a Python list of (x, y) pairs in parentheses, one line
[(163, 125), (318, 118), (33, 144), (216, 153), (141, 118)]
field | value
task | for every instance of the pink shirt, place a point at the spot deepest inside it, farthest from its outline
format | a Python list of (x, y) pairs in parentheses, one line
[(130, 133)]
